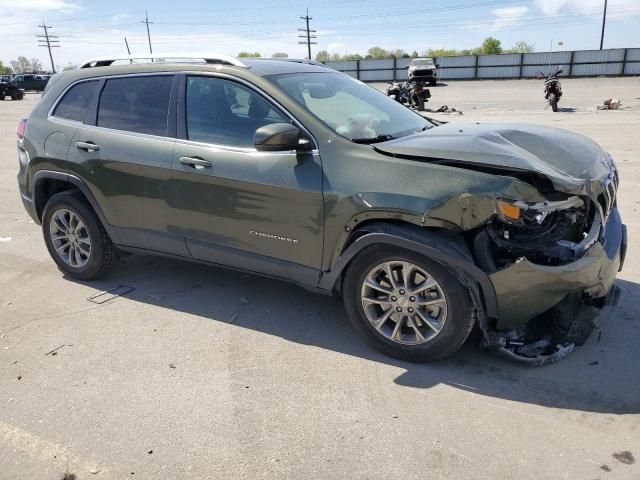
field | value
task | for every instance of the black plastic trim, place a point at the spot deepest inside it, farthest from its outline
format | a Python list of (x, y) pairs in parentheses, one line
[(82, 186), (431, 246)]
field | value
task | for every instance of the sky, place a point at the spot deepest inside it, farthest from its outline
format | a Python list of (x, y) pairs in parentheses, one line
[(88, 28)]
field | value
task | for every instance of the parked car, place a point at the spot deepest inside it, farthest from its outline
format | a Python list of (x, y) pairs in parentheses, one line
[(5, 78), (423, 70), (298, 172), (31, 82)]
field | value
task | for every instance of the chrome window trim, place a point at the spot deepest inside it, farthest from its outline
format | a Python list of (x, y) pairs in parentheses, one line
[(127, 132), (232, 148)]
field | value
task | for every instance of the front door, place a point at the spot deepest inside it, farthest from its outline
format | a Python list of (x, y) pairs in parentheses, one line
[(260, 211)]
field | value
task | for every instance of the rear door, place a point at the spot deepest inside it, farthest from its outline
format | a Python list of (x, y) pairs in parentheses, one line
[(124, 151), (261, 211)]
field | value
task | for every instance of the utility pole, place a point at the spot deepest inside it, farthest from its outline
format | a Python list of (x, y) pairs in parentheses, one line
[(308, 34), (146, 20), (604, 20), (49, 41), (127, 45)]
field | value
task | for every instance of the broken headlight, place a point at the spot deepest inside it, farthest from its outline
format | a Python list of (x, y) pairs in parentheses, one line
[(533, 231)]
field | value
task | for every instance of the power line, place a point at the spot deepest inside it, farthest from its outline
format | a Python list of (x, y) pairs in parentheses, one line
[(308, 34), (146, 20), (50, 41)]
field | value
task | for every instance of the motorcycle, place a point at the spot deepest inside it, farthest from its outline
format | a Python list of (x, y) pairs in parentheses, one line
[(552, 88), (418, 94), (398, 92), (411, 93)]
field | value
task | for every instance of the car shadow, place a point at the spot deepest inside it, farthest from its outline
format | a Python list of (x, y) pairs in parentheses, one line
[(601, 376)]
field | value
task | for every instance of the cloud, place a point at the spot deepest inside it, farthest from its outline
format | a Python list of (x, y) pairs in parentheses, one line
[(39, 6), (615, 9), (500, 18)]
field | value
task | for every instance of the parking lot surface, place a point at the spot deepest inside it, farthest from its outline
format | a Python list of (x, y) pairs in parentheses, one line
[(203, 373)]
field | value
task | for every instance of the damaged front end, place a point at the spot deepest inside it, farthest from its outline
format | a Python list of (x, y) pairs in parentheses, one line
[(553, 266)]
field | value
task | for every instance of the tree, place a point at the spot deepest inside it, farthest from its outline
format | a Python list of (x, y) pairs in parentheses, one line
[(249, 55), (280, 55), (21, 65), (491, 46), (378, 52), (4, 70), (322, 56), (414, 54), (521, 47), (36, 65)]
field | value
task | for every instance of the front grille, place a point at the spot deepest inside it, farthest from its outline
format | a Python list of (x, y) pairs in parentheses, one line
[(607, 199)]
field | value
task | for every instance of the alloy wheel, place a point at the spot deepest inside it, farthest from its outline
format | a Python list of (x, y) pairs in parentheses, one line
[(70, 238), (404, 303)]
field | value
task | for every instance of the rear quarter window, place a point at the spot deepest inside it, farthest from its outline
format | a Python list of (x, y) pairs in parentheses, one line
[(75, 102), (136, 104)]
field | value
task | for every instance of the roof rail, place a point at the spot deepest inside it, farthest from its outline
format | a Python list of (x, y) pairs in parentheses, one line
[(165, 57)]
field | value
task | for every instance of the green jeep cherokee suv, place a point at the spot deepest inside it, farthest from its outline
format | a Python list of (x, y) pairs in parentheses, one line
[(295, 171)]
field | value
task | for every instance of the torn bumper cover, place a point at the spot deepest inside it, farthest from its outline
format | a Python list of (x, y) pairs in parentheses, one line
[(544, 311)]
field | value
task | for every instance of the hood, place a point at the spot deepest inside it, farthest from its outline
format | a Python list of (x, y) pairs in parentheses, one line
[(571, 162)]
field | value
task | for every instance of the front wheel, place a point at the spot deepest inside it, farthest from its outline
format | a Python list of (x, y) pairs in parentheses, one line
[(553, 101), (406, 305)]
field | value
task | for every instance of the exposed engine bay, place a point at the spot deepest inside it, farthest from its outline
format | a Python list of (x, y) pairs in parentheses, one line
[(551, 233), (545, 234)]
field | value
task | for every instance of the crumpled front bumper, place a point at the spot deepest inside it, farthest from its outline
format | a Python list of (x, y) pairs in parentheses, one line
[(525, 290)]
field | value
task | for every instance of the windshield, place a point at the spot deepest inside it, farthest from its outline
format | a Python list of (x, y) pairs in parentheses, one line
[(349, 107), (422, 61)]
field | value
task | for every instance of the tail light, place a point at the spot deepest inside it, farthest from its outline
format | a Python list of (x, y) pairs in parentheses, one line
[(22, 126)]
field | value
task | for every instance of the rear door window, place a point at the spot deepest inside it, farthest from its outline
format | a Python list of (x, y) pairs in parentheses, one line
[(75, 102), (136, 104)]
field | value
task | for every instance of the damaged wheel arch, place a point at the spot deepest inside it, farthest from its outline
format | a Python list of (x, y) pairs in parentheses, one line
[(443, 246)]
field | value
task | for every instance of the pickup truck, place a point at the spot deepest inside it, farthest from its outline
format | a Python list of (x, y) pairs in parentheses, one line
[(29, 81)]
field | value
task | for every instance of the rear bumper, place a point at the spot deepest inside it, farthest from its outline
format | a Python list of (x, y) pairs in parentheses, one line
[(525, 290)]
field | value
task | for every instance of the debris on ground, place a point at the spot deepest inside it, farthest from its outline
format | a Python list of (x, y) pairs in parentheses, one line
[(610, 104), (447, 109), (233, 318), (625, 457), (171, 365), (244, 300), (108, 295), (94, 471), (68, 476), (5, 239), (594, 363), (605, 467), (54, 351)]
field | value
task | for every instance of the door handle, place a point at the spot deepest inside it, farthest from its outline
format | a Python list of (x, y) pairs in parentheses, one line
[(87, 146), (196, 162)]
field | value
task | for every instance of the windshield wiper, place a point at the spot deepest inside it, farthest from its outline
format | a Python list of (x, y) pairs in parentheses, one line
[(379, 138)]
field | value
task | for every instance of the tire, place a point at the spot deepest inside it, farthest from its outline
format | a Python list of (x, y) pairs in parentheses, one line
[(102, 255), (553, 101), (432, 82), (457, 311)]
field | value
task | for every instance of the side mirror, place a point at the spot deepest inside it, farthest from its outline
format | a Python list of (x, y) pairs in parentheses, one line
[(559, 71), (277, 137)]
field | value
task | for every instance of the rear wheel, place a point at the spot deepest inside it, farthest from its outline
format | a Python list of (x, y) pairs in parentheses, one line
[(406, 305), (553, 101), (75, 238)]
